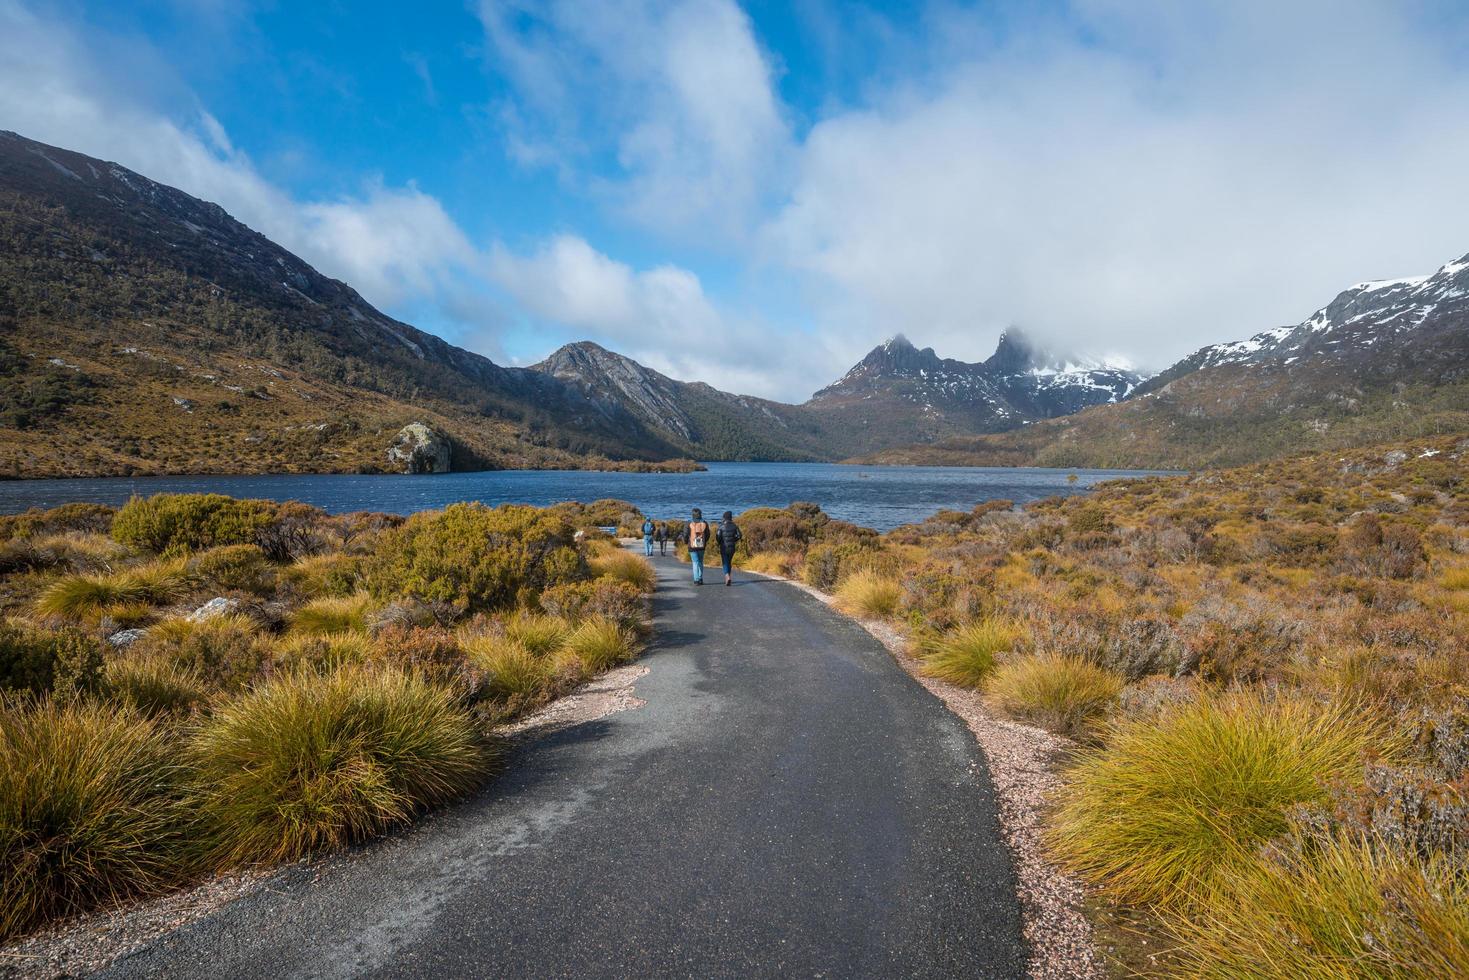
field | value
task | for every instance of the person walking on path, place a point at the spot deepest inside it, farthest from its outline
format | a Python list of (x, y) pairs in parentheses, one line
[(661, 536), (696, 536), (728, 535), (648, 529)]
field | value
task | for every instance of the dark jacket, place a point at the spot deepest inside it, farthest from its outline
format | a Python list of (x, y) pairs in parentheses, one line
[(728, 535)]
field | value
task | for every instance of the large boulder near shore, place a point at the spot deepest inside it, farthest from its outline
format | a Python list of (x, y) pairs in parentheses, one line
[(419, 449)]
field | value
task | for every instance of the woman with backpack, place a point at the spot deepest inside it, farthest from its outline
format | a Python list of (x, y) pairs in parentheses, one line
[(696, 536), (728, 535)]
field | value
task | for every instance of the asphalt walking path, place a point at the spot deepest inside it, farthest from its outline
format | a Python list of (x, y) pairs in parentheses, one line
[(788, 802)]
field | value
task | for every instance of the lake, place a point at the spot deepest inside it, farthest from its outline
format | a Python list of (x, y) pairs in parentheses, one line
[(880, 497)]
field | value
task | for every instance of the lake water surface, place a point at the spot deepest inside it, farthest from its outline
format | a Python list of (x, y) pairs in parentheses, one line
[(880, 497)]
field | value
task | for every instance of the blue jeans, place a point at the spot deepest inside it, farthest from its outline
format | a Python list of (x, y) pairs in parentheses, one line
[(648, 544), (727, 560), (696, 559)]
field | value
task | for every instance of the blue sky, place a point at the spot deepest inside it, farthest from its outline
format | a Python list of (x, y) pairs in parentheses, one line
[(754, 194)]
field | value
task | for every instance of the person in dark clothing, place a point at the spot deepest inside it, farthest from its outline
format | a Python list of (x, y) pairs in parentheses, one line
[(660, 534), (696, 536), (728, 535)]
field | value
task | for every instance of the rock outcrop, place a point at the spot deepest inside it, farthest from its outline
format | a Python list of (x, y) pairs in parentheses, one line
[(419, 449)]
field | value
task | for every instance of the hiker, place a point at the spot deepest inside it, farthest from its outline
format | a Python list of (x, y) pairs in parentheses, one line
[(660, 534), (696, 536), (648, 528), (728, 535)]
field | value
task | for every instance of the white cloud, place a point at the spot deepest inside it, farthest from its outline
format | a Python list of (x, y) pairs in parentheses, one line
[(679, 94)]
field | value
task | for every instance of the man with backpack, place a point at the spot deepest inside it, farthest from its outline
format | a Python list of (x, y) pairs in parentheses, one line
[(696, 536), (661, 536), (728, 535), (648, 529)]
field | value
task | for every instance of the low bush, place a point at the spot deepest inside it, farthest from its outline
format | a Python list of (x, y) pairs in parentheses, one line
[(624, 566), (471, 557), (966, 655), (78, 517), (599, 644), (1064, 694), (309, 761), (539, 633), (869, 594), (1348, 909), (235, 567), (1172, 806), (60, 662), (604, 598), (176, 523), (772, 563), (92, 811), (321, 652), (320, 576), (334, 614), (224, 652)]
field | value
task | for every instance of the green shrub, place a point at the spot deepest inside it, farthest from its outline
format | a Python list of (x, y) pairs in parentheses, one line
[(92, 811), (599, 644), (79, 517), (318, 576), (175, 523), (224, 651), (540, 634), (235, 567), (472, 557), (63, 662), (966, 654), (309, 761), (1065, 694), (1172, 806), (603, 598), (321, 652), (1348, 909), (827, 564)]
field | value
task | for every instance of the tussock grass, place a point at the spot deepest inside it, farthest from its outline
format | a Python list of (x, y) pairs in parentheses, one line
[(225, 651), (87, 595), (540, 633), (1351, 908), (513, 674), (321, 652), (309, 761), (92, 810), (154, 686), (1455, 578), (334, 614), (328, 574), (772, 563), (599, 644), (624, 566), (869, 593), (1171, 807), (1065, 694), (966, 654)]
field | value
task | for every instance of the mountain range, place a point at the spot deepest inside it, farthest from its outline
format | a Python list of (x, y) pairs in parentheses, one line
[(143, 330)]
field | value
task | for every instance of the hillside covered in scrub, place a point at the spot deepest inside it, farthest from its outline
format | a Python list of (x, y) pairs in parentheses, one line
[(1265, 674), (195, 683)]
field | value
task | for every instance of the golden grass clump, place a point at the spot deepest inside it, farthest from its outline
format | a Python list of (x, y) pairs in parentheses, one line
[(1349, 908), (92, 810), (772, 563), (869, 593), (513, 673), (1170, 807), (624, 566), (1064, 694), (321, 651), (333, 614), (154, 686), (966, 655), (224, 651), (540, 633), (599, 644), (309, 761), (87, 595)]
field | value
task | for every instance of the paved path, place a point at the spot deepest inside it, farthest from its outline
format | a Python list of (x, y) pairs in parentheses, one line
[(787, 803)]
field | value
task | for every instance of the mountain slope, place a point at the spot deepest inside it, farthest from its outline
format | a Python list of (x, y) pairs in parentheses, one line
[(1383, 360), (145, 330)]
